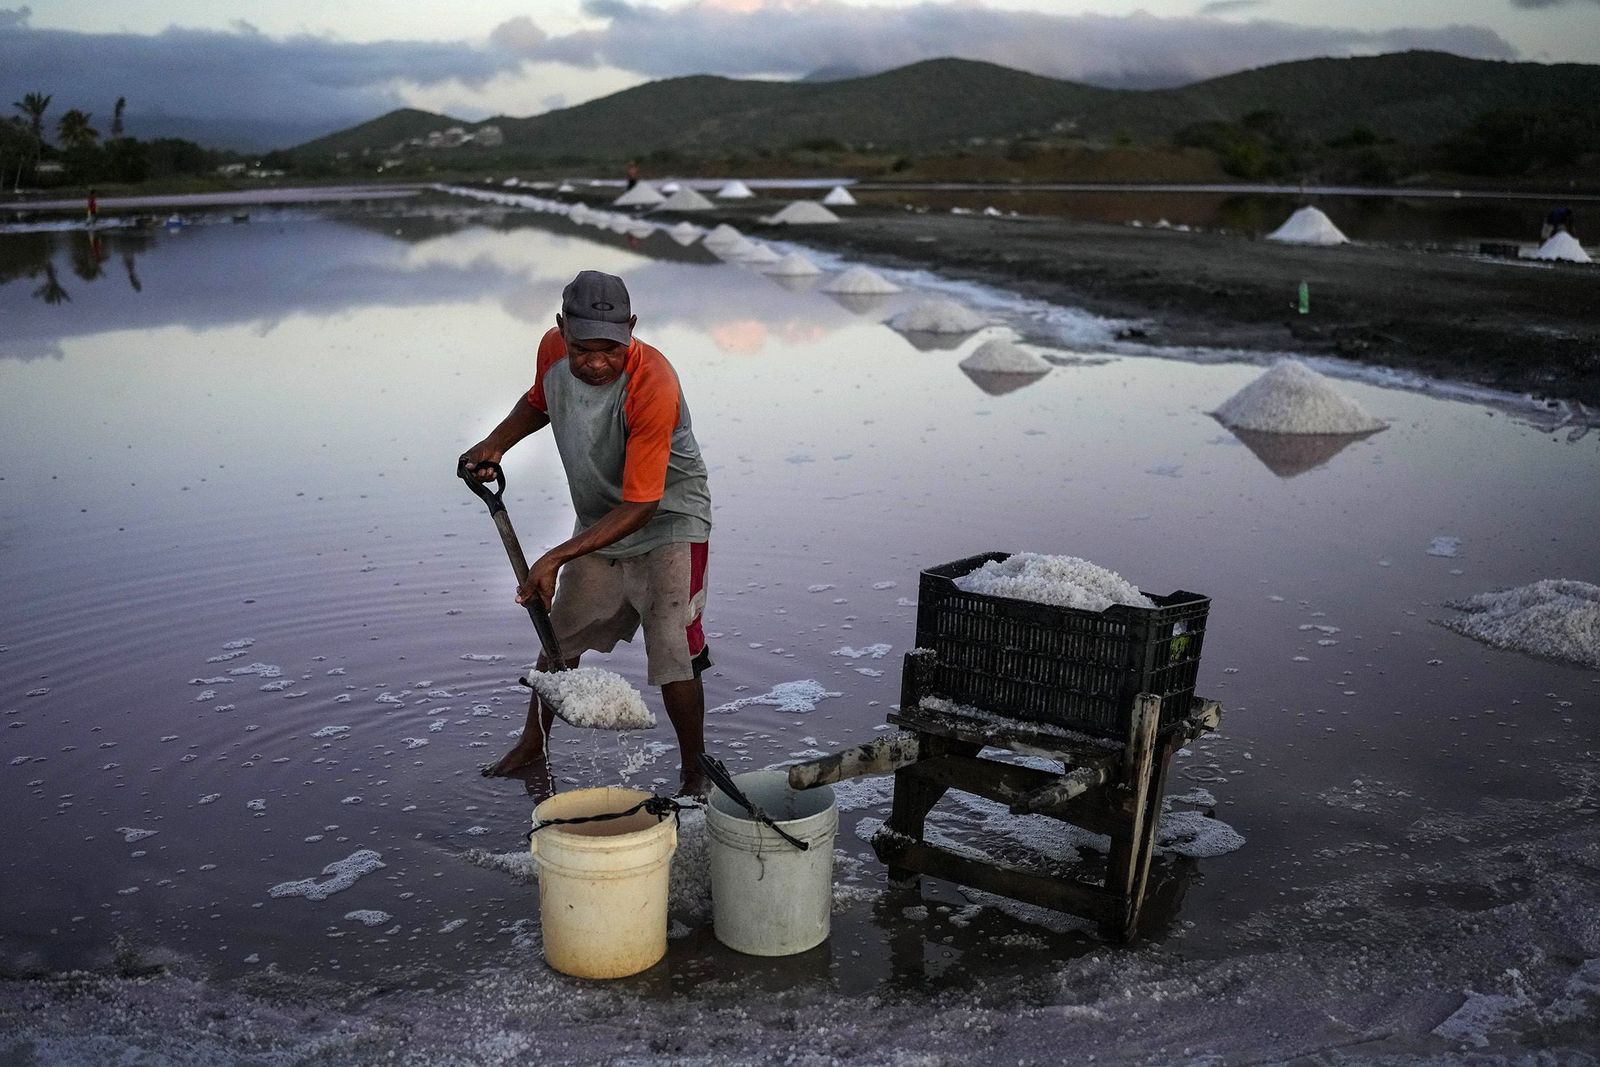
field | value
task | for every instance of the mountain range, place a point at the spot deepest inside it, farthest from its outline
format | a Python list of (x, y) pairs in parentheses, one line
[(941, 104)]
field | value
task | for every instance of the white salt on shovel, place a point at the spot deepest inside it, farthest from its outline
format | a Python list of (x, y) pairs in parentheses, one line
[(592, 698)]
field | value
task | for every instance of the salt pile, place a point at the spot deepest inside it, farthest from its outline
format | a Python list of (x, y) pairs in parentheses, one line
[(1556, 618), (723, 234), (860, 281), (593, 698), (642, 195), (1308, 226), (735, 190), (759, 255), (794, 265), (1003, 357), (1565, 247), (566, 187), (1293, 398), (1065, 581), (685, 233), (685, 199), (839, 196), (738, 248), (937, 316), (804, 213)]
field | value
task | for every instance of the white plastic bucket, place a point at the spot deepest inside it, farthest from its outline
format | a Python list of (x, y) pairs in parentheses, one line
[(769, 898), (603, 885)]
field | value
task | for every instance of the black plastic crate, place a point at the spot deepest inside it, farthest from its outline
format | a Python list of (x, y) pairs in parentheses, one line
[(1066, 666)]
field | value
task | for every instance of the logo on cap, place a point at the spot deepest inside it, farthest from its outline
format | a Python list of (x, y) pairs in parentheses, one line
[(601, 305)]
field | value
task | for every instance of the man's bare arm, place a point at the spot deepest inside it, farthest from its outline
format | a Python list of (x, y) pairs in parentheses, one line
[(622, 520), (523, 419)]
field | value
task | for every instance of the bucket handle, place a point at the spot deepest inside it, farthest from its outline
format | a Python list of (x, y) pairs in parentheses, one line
[(718, 773), (660, 807)]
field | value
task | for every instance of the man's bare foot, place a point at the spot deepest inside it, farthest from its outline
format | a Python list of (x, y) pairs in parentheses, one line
[(520, 756), (695, 786)]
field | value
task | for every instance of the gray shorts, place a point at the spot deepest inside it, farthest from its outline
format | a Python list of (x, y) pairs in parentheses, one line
[(602, 601)]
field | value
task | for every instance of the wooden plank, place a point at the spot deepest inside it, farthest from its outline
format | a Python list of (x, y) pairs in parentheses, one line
[(1005, 783), (1071, 897), (1031, 739), (1146, 853), (1054, 795), (1139, 768), (881, 756)]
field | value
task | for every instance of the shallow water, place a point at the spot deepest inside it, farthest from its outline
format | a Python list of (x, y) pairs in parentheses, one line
[(230, 449)]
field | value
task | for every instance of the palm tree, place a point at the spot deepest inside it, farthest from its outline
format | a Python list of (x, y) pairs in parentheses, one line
[(33, 106), (74, 130), (116, 117)]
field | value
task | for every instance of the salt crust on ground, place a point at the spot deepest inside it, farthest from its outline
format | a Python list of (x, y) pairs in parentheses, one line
[(343, 874), (686, 199), (593, 698), (1002, 357), (1292, 398), (794, 265), (1565, 247), (1358, 967), (642, 195), (734, 190), (861, 281), (1308, 226), (1556, 618), (937, 316), (789, 697), (804, 213), (839, 196), (1066, 581)]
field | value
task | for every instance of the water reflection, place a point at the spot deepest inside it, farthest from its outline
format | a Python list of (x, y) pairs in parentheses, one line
[(996, 384), (1291, 454)]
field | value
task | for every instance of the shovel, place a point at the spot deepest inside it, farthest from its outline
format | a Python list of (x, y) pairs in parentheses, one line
[(519, 563), (718, 773)]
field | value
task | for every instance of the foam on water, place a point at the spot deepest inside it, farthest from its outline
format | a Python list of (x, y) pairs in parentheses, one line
[(789, 697), (341, 875)]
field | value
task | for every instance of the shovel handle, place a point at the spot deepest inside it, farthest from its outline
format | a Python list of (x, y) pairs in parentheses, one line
[(519, 563)]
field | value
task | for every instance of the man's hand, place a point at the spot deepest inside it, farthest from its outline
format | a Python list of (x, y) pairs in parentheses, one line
[(541, 581), (480, 453)]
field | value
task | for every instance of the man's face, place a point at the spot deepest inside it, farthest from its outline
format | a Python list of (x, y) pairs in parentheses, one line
[(594, 361)]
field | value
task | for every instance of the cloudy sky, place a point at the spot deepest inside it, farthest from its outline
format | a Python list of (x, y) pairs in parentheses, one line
[(278, 71)]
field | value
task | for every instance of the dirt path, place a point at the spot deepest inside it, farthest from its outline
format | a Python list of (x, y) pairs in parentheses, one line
[(1517, 327)]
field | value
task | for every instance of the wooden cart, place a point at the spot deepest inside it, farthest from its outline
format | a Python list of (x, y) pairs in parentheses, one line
[(1104, 787)]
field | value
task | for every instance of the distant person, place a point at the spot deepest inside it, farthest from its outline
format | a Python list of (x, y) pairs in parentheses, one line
[(1558, 221), (92, 209), (631, 172), (638, 554)]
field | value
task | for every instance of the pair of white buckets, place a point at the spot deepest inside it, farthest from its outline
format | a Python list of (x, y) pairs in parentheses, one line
[(604, 886)]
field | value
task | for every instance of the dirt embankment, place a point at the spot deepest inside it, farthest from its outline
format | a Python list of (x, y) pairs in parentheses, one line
[(1513, 326)]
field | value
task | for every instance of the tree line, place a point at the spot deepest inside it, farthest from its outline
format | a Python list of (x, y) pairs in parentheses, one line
[(79, 155)]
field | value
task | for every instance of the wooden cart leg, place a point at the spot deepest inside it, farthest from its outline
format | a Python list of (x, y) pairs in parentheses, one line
[(915, 796), (1129, 841), (1152, 827)]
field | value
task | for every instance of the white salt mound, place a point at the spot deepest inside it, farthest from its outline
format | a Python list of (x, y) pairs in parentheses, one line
[(1308, 226), (738, 248), (723, 234), (642, 195), (1563, 246), (1003, 357), (735, 190), (593, 698), (794, 265), (759, 255), (1065, 581), (804, 213), (685, 233), (937, 316), (685, 199), (861, 281), (1556, 618), (1293, 398), (839, 196)]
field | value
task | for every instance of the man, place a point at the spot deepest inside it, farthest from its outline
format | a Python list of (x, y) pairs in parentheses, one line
[(638, 552)]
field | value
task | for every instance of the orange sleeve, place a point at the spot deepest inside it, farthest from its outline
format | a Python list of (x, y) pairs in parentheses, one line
[(552, 350), (651, 410)]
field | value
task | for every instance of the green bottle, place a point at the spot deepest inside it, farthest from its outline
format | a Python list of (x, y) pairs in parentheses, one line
[(1305, 299)]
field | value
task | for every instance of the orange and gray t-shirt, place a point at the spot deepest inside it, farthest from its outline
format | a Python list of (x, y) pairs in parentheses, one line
[(629, 440)]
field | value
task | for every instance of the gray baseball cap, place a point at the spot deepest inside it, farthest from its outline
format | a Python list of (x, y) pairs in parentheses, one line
[(595, 305)]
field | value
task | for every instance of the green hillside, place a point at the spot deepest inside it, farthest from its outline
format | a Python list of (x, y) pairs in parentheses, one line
[(1413, 97), (382, 132)]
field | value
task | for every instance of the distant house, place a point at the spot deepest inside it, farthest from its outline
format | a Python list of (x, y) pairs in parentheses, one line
[(489, 136), (49, 166), (232, 170)]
